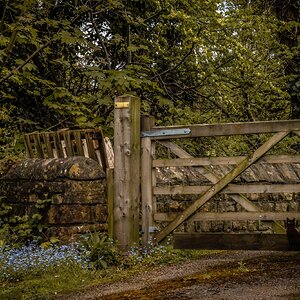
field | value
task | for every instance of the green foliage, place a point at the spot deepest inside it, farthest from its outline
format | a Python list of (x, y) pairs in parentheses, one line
[(48, 284), (17, 229), (31, 272), (156, 255), (62, 63), (288, 16), (61, 269), (101, 251)]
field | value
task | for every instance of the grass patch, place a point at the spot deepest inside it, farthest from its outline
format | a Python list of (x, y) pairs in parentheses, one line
[(33, 272), (44, 286)]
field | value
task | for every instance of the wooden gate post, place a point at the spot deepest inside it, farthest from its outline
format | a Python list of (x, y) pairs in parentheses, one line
[(126, 171), (147, 180)]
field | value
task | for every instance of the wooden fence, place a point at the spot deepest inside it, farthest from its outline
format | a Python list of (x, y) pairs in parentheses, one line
[(66, 143), (89, 143), (135, 158)]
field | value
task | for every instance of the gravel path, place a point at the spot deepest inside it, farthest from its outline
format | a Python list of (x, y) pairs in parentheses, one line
[(227, 275)]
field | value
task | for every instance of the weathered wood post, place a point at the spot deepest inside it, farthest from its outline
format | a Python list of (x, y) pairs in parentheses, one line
[(147, 180), (126, 171), (110, 201)]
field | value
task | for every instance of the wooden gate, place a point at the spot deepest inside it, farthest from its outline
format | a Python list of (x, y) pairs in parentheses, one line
[(219, 184), (151, 136)]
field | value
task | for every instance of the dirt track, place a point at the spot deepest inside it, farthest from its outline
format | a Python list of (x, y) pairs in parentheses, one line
[(227, 275)]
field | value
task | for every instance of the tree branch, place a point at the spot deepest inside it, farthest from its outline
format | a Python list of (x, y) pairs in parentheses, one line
[(3, 16), (178, 65), (101, 40), (216, 103), (9, 47), (182, 60), (11, 73), (129, 54)]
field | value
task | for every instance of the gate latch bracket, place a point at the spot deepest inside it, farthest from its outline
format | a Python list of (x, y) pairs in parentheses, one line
[(166, 132)]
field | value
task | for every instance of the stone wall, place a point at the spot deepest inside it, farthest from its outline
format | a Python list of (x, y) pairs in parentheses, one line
[(69, 193), (280, 202), (73, 191)]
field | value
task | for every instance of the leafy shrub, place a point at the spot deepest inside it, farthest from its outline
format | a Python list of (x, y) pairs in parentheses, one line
[(20, 229), (101, 251)]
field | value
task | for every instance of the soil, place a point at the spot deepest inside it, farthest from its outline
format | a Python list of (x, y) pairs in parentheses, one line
[(226, 275)]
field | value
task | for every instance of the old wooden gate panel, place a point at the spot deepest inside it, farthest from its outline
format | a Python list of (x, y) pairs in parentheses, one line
[(219, 184), (67, 143)]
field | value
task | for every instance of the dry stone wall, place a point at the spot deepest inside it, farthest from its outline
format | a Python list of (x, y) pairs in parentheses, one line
[(260, 173), (69, 193), (73, 193)]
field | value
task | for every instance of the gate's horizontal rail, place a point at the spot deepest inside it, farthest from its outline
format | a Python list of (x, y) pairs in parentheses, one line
[(230, 189), (217, 241), (225, 129), (212, 161), (231, 216)]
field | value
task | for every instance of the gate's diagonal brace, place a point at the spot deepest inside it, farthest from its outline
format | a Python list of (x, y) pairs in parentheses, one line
[(212, 177), (223, 182)]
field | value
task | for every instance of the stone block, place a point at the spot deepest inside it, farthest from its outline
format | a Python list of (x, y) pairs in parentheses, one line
[(74, 232), (189, 226), (174, 206), (160, 207), (288, 196), (226, 206), (239, 226), (252, 226), (265, 226), (268, 206), (78, 198), (281, 206), (75, 188), (296, 197), (293, 206), (96, 186), (75, 214), (204, 226), (227, 226), (217, 226), (77, 168)]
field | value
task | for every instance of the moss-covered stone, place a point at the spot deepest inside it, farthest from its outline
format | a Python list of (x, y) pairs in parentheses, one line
[(77, 168), (69, 194)]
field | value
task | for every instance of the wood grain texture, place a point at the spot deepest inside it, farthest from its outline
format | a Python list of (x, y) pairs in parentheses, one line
[(230, 189), (127, 172), (231, 216), (226, 129)]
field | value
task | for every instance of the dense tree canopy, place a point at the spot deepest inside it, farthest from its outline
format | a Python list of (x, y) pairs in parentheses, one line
[(62, 62), (288, 14)]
